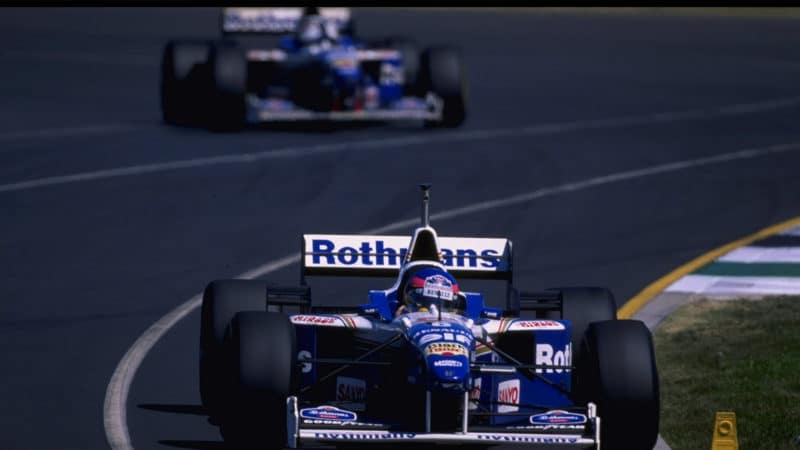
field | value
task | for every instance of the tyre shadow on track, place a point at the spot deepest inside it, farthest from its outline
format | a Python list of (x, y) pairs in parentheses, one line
[(313, 127), (199, 445), (195, 410)]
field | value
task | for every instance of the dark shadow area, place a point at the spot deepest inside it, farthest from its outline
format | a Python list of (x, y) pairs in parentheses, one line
[(319, 126), (200, 445), (219, 445), (195, 410), (309, 126)]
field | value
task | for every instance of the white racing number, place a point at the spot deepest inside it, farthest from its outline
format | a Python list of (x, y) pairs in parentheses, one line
[(391, 74), (305, 354)]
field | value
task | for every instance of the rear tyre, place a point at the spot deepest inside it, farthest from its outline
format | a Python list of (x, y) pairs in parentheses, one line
[(443, 74), (182, 67), (222, 299), (618, 373), (228, 85), (262, 360), (582, 306)]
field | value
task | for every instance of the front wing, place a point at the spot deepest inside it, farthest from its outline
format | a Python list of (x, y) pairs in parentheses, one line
[(340, 432), (261, 110)]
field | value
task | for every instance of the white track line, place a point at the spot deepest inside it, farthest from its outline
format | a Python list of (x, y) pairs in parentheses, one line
[(115, 407), (403, 142)]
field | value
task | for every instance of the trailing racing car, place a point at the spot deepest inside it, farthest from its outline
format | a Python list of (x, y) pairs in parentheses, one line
[(423, 362), (317, 71)]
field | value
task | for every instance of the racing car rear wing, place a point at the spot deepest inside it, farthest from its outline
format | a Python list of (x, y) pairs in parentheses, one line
[(275, 20), (380, 255)]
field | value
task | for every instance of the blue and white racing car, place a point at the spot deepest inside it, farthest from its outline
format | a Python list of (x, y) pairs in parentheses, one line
[(424, 362), (317, 71)]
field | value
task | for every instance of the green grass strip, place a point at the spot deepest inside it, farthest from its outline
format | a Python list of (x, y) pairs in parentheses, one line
[(735, 269), (739, 355)]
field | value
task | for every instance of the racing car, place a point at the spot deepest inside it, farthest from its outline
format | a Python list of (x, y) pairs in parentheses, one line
[(317, 71), (423, 362)]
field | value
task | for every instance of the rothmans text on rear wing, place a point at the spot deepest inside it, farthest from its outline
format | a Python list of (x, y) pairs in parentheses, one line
[(236, 20), (377, 255)]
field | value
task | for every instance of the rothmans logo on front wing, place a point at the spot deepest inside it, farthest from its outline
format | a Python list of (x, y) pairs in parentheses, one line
[(328, 412), (557, 417)]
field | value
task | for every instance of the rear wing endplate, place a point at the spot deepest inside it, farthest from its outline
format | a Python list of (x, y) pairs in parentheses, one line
[(379, 255)]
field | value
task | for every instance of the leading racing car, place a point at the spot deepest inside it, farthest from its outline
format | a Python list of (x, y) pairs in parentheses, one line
[(423, 362), (317, 71)]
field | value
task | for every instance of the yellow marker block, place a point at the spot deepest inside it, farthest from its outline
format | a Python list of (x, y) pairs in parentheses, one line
[(725, 437)]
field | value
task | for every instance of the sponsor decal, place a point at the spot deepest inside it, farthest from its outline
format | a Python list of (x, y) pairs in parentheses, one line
[(557, 417), (446, 349), (273, 20), (554, 427), (344, 62), (306, 366), (353, 391), (475, 393), (539, 325), (448, 363), (430, 337), (388, 251), (343, 423), (364, 436), (438, 286), (319, 320), (547, 355), (328, 412), (239, 23), (446, 332), (508, 392), (531, 439), (463, 339)]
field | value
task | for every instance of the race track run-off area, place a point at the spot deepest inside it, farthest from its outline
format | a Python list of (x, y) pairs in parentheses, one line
[(610, 149)]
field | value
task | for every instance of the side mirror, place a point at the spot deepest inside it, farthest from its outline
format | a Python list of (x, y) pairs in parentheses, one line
[(369, 310), (491, 313)]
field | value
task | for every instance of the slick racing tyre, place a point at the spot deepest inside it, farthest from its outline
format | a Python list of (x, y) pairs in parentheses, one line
[(584, 305), (228, 85), (222, 299), (261, 349), (182, 67), (443, 74), (618, 373)]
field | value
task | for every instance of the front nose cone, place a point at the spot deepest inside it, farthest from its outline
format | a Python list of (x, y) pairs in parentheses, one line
[(448, 366), (448, 369)]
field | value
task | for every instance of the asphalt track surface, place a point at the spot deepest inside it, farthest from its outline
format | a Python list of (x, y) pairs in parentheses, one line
[(591, 111)]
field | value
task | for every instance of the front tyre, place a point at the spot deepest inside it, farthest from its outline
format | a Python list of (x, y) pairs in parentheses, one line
[(443, 74), (222, 299), (618, 372), (226, 108), (182, 65), (263, 367)]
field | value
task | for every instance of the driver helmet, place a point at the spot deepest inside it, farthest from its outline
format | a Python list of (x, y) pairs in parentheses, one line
[(431, 286), (315, 29)]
